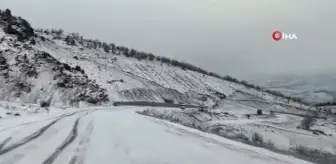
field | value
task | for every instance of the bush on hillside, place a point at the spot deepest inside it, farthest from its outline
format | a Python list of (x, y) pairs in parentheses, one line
[(33, 42), (16, 26), (57, 31), (257, 139), (44, 104), (70, 41), (66, 66), (318, 155), (151, 57), (269, 144), (307, 122), (242, 137)]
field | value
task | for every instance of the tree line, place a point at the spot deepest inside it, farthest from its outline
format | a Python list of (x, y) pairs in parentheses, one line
[(326, 104)]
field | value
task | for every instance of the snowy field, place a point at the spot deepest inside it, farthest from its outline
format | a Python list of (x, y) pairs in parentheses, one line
[(279, 132)]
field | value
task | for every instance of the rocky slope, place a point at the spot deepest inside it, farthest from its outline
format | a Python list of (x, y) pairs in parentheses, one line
[(30, 75)]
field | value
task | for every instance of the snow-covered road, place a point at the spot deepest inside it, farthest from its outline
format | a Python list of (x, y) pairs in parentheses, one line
[(119, 135)]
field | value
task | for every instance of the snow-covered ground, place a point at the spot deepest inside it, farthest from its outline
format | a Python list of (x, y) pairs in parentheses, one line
[(119, 135), (48, 88)]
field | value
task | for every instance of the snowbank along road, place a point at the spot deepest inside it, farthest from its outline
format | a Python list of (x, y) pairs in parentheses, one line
[(119, 135)]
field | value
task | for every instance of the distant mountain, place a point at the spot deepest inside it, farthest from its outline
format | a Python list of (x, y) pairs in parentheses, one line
[(315, 87)]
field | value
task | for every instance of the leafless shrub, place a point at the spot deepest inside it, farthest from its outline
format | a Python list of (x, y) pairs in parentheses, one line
[(44, 104), (257, 139), (243, 138), (320, 156), (269, 144), (307, 122), (302, 150)]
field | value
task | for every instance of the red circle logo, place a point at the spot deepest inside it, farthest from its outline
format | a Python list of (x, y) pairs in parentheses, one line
[(277, 35)]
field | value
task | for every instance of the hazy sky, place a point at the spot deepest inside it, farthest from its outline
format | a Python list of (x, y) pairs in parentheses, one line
[(226, 36)]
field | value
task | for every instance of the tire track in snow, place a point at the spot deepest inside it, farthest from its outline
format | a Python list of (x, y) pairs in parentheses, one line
[(32, 122), (72, 136), (4, 142), (79, 156), (31, 137)]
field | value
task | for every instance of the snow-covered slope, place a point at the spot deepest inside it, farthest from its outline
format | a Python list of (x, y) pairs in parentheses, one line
[(130, 79), (66, 71)]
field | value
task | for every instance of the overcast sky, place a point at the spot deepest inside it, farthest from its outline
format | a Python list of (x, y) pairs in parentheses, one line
[(226, 36)]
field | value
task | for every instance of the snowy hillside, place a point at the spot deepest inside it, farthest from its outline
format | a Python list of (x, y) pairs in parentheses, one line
[(69, 70), (127, 78)]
